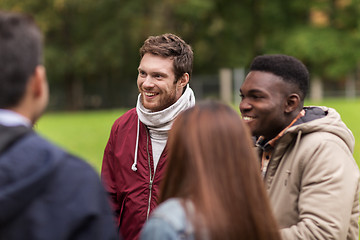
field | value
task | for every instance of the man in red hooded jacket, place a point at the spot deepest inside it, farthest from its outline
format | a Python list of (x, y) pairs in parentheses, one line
[(135, 155)]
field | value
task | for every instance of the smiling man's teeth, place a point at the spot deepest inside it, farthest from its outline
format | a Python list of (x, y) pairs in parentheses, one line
[(246, 118), (149, 94)]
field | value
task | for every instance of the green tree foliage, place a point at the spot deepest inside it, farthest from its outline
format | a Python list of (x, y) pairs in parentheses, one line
[(329, 49), (92, 45)]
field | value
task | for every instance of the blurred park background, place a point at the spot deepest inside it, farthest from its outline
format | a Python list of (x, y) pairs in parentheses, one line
[(91, 54), (85, 133)]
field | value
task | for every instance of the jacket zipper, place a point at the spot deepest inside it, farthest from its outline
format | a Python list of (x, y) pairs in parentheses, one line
[(151, 177)]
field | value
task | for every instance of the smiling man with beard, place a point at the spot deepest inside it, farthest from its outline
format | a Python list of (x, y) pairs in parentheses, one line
[(135, 155), (306, 152)]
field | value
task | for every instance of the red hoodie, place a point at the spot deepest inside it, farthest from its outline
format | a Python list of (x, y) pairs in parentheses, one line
[(132, 195)]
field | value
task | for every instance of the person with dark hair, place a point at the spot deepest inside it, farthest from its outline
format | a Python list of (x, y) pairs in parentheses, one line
[(306, 152), (45, 193), (212, 188), (135, 155)]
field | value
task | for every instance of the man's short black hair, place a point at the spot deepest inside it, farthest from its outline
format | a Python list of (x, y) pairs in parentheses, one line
[(20, 53), (288, 68)]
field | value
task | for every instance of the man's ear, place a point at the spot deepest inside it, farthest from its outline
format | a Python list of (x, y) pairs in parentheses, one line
[(183, 80), (38, 81), (292, 103)]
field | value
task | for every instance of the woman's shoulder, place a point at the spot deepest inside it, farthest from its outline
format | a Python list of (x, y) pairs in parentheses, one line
[(172, 211), (168, 221)]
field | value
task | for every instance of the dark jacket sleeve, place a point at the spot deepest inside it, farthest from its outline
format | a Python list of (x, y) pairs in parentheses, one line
[(92, 217), (52, 195)]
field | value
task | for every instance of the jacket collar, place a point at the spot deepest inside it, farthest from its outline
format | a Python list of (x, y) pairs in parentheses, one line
[(268, 145)]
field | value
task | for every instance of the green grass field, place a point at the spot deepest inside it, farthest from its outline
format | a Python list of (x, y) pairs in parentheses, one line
[(85, 133)]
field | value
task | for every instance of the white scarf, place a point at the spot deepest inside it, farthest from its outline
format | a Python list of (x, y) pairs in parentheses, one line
[(159, 123)]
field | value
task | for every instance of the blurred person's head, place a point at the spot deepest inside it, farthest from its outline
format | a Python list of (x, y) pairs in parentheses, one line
[(211, 162), (23, 85), (164, 70), (273, 93)]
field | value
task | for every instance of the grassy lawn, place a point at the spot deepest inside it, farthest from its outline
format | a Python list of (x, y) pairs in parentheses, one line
[(85, 133)]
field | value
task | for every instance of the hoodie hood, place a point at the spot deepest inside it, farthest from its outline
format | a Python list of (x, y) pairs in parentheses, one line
[(323, 119), (10, 135), (25, 171)]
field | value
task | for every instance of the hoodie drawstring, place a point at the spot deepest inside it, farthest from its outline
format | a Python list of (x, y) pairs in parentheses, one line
[(133, 167)]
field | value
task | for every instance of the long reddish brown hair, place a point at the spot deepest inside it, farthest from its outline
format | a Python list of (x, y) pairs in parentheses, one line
[(212, 163)]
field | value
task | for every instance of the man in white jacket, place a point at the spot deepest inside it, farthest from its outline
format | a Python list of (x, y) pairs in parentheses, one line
[(306, 152)]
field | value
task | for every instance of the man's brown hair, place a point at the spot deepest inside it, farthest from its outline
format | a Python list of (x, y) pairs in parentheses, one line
[(20, 52), (169, 45)]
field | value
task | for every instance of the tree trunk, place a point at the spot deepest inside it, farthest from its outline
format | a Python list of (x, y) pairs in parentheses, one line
[(316, 90), (225, 85), (75, 94), (350, 88)]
